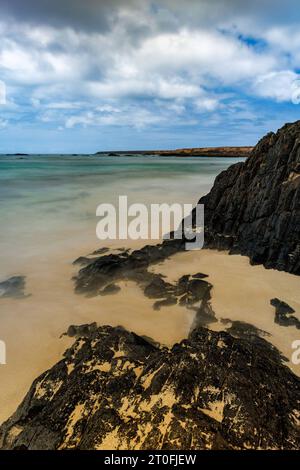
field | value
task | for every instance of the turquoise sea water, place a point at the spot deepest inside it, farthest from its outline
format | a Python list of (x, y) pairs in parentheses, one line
[(49, 200)]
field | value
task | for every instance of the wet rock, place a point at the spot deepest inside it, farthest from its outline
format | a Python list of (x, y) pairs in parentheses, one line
[(82, 261), (116, 389), (164, 303), (241, 329), (13, 287), (282, 308), (254, 206), (204, 314), (283, 313), (110, 289), (199, 276), (79, 331), (100, 275), (196, 290), (182, 284), (100, 251), (151, 341), (157, 288), (115, 267)]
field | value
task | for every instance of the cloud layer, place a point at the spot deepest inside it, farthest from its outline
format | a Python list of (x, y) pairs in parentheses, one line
[(208, 71)]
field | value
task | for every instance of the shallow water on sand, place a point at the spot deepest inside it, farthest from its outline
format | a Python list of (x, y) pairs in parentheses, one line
[(48, 203), (48, 219)]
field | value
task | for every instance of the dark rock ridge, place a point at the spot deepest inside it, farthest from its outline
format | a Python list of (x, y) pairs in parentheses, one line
[(241, 329), (114, 267), (283, 314), (115, 390), (254, 206), (98, 277)]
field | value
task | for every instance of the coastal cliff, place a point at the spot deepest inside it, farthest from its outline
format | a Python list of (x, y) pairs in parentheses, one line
[(254, 206)]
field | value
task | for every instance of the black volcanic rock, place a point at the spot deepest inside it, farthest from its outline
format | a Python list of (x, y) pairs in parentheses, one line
[(254, 206), (134, 266), (78, 331), (82, 261), (99, 276), (114, 389), (283, 314), (110, 289), (171, 300), (13, 287), (157, 288)]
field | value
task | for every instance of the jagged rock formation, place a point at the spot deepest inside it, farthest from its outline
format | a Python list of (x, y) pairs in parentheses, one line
[(115, 390), (103, 270), (254, 206), (283, 314)]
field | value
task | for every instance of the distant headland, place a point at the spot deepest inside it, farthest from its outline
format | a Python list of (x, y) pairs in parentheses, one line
[(230, 152)]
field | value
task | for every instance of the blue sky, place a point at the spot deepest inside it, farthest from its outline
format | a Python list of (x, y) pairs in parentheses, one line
[(138, 74)]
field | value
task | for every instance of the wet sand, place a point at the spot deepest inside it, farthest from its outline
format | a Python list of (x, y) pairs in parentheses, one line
[(31, 327), (243, 292), (48, 217)]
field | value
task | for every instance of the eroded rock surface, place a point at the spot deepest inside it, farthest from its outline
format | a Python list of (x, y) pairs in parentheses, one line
[(283, 314), (191, 291), (254, 206), (115, 390), (107, 269)]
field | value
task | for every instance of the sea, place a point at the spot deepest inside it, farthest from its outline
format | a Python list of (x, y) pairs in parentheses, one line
[(49, 202)]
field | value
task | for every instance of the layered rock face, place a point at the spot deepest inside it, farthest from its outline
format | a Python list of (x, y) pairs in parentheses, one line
[(254, 207), (115, 390)]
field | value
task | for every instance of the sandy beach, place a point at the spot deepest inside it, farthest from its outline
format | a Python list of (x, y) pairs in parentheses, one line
[(55, 213), (32, 327)]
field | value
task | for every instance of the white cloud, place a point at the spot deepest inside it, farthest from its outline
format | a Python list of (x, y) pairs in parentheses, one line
[(276, 85), (132, 117), (207, 104), (146, 66), (2, 92), (285, 40)]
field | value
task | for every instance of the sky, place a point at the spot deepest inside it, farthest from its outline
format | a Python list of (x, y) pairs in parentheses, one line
[(84, 76)]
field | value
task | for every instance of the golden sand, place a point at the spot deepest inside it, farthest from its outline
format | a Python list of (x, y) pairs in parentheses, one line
[(32, 327)]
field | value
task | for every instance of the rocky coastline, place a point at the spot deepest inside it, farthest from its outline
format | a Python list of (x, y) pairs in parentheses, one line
[(223, 152), (229, 389), (254, 206)]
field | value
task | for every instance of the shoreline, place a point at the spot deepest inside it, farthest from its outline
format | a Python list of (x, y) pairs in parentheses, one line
[(32, 327), (212, 152)]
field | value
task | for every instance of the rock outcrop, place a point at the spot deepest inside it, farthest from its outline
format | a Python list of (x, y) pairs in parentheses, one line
[(13, 287), (254, 206), (115, 390), (283, 314)]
